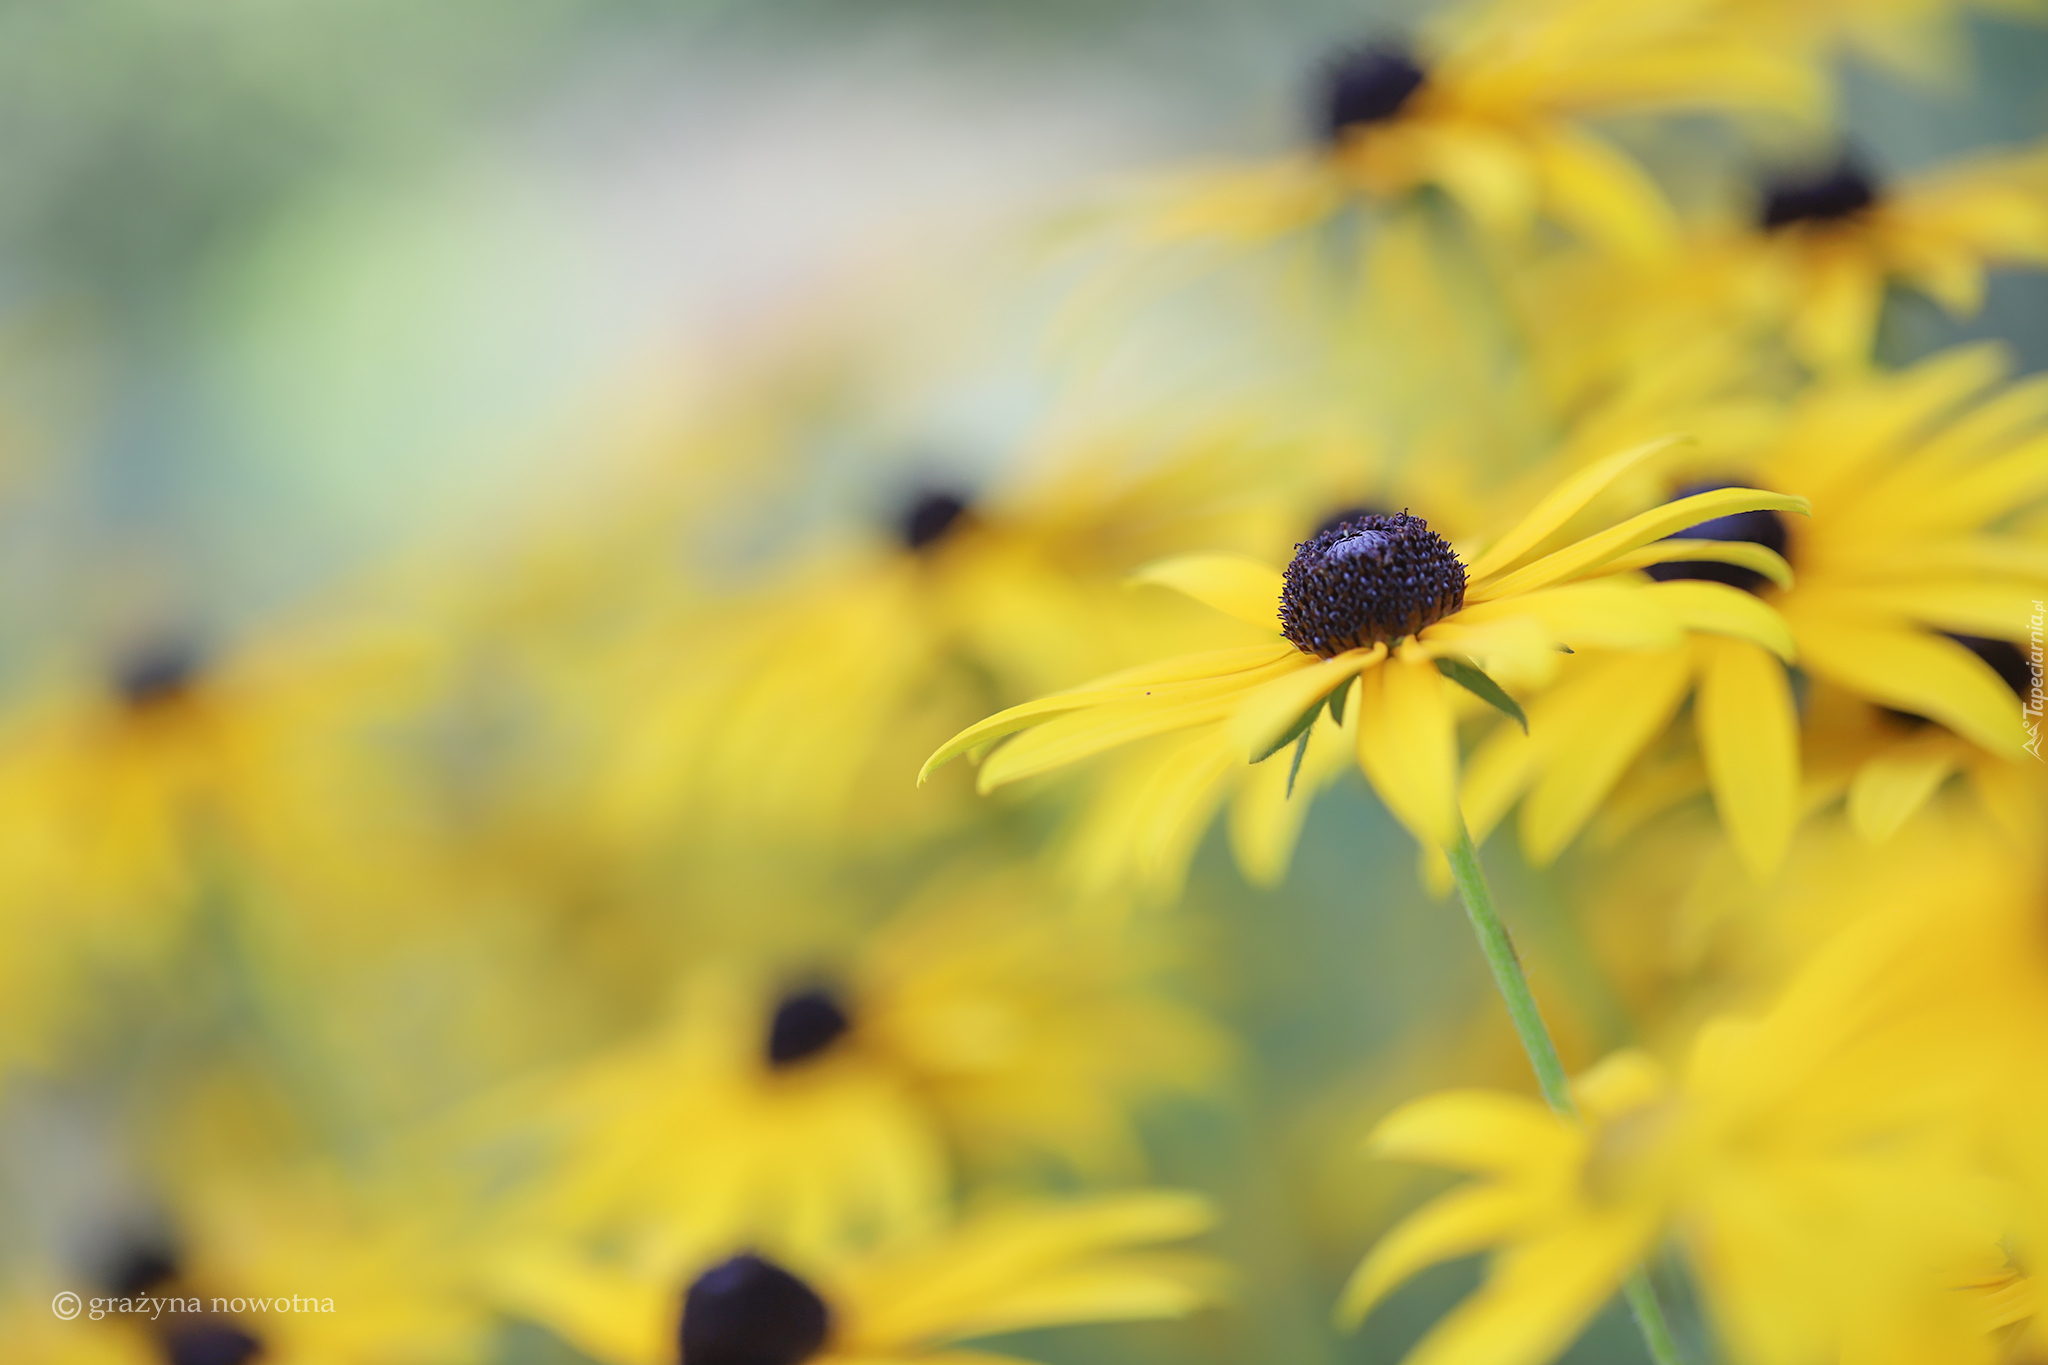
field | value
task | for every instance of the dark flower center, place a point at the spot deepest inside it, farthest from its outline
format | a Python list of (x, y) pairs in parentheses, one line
[(1825, 196), (806, 1023), (1763, 528), (210, 1343), (930, 515), (1371, 579), (157, 673), (749, 1311), (1366, 85), (140, 1268), (2007, 660)]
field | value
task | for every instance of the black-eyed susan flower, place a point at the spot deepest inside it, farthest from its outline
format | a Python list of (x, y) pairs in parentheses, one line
[(117, 794), (1823, 1164), (1912, 37), (967, 598), (37, 1336), (1909, 587), (306, 1266), (1829, 240), (835, 1107), (1488, 107), (1806, 260), (1091, 1261), (1382, 615)]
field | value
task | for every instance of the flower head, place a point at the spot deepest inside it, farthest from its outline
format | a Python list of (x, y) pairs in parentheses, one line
[(1383, 608), (1368, 580), (1910, 593), (1089, 1261)]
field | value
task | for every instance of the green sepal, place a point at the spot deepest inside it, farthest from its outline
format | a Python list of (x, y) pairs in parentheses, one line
[(1476, 682), (1336, 700), (1300, 749), (1298, 730)]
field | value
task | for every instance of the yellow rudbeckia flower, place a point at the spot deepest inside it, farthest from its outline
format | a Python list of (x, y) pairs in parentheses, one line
[(839, 1106), (1908, 582), (909, 1302), (1808, 264), (1914, 37), (1825, 1164), (304, 1267), (1488, 107), (1382, 608), (1831, 240), (972, 599)]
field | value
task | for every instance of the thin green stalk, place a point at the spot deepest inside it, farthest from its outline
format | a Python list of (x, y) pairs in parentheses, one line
[(1506, 966), (1649, 1316)]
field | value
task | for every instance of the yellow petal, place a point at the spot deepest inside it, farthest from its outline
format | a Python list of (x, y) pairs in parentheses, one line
[(1992, 489), (1749, 737), (1590, 728), (1408, 744), (1500, 770), (1236, 585), (1539, 1296), (1600, 193), (1561, 505), (1834, 324), (992, 1270), (1595, 552), (1083, 734), (1475, 1130), (1888, 789), (1453, 1225), (1909, 669), (1761, 559), (1269, 713), (1619, 1082), (1485, 172), (1603, 614), (1194, 669), (1266, 820), (1175, 808), (1718, 609), (1996, 609)]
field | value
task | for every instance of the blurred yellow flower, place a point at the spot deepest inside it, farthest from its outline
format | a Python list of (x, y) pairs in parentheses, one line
[(1910, 593), (999, 1272), (1487, 109), (848, 659), (1823, 1163), (969, 1031)]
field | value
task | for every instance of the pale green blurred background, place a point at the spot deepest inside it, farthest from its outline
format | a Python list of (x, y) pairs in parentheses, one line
[(287, 286)]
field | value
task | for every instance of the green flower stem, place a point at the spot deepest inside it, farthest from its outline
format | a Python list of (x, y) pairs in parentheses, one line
[(1649, 1316), (1506, 966)]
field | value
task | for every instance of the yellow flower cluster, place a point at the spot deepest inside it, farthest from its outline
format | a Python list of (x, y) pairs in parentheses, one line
[(543, 951)]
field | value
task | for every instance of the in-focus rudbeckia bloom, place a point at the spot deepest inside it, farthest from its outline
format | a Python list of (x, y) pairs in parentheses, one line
[(1091, 1261), (1824, 1164), (1910, 592), (1381, 614), (835, 1110), (1487, 108)]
